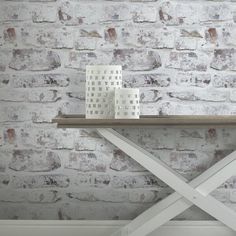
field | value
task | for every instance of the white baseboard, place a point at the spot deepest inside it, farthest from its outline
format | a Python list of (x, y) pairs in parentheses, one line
[(105, 228)]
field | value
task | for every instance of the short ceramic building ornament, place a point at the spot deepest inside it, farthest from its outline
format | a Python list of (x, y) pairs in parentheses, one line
[(101, 82)]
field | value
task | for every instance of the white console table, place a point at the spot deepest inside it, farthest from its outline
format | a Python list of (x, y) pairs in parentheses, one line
[(195, 192)]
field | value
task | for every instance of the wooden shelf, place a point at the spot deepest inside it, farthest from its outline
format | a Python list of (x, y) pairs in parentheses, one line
[(78, 121)]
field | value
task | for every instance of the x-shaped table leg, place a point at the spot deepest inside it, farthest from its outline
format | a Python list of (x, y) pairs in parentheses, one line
[(194, 192)]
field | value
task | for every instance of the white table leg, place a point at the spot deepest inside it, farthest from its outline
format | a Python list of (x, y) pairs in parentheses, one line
[(175, 204), (207, 203)]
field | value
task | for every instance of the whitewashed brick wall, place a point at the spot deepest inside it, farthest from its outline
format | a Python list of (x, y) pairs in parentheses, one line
[(181, 55)]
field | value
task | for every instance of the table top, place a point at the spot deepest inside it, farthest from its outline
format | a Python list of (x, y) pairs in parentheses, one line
[(79, 121)]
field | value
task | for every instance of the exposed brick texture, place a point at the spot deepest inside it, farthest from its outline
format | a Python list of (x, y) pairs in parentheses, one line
[(182, 57)]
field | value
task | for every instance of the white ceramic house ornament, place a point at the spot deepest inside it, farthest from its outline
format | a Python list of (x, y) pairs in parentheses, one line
[(101, 82), (127, 103)]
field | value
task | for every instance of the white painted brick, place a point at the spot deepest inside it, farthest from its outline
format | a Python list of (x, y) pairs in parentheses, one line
[(41, 35), (233, 96), (147, 80), (40, 181), (48, 37), (195, 80), (224, 59), (14, 12), (4, 180), (144, 14), (147, 37), (34, 161), (34, 60), (36, 80), (44, 13), (85, 162), (188, 61)]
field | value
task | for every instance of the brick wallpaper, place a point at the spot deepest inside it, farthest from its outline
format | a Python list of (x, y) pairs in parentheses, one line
[(182, 56)]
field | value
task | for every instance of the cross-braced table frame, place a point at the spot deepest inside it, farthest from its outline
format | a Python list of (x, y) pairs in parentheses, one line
[(195, 192), (187, 194)]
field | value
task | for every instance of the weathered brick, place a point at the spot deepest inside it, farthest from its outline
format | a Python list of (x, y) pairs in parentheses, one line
[(174, 108), (66, 14), (230, 184), (86, 162), (13, 95), (51, 138), (4, 157), (224, 81), (47, 13), (27, 211), (147, 80), (76, 14), (171, 13), (142, 14), (80, 95), (43, 112), (110, 34), (88, 39), (136, 60), (92, 180), (37, 80), (99, 195), (229, 34), (189, 39), (10, 36), (130, 59), (4, 59), (14, 112), (215, 12), (48, 37), (87, 144), (105, 211), (79, 60), (224, 59), (148, 196), (148, 138), (136, 181), (4, 180), (195, 80), (73, 106), (148, 37), (1, 138), (10, 136), (34, 160), (121, 162), (34, 60), (232, 196), (175, 13), (44, 96), (14, 12), (200, 95), (221, 195), (40, 181), (191, 140), (111, 12), (211, 35), (150, 95), (188, 61), (185, 162), (233, 96), (4, 80), (43, 0), (37, 196)]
